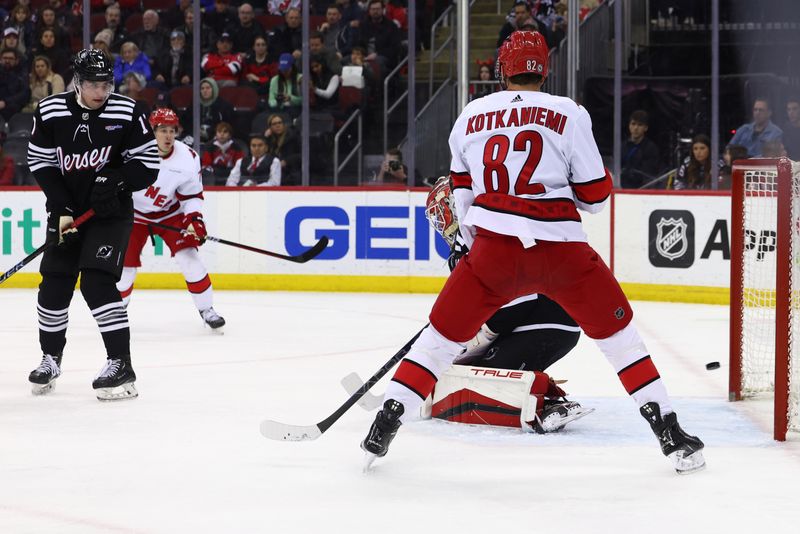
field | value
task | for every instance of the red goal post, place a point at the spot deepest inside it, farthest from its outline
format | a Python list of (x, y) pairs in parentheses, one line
[(765, 268)]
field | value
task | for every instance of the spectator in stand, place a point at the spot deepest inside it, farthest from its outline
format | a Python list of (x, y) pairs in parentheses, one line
[(20, 20), (11, 41), (102, 41), (397, 12), (213, 110), (131, 59), (14, 90), (337, 35), (219, 18), (208, 38), (284, 145), (133, 83), (222, 155), (224, 66), (7, 167), (47, 21), (695, 172), (393, 170), (522, 12), (316, 45), (352, 13), (731, 154), (114, 25), (175, 67), (44, 82), (791, 130), (64, 16), (257, 69), (753, 135), (288, 38), (380, 37), (284, 89), (176, 15), (773, 149), (280, 7), (324, 85), (640, 157), (487, 84), (152, 39), (258, 168), (59, 57), (245, 30)]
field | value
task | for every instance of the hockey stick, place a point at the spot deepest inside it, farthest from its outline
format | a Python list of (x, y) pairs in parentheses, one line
[(351, 383), (283, 432), (47, 244), (309, 254)]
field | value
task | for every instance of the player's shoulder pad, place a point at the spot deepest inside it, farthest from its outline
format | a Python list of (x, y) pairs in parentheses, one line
[(55, 106)]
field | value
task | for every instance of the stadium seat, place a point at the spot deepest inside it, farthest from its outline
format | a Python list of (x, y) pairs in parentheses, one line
[(97, 21), (16, 146), (242, 98), (149, 95), (133, 23), (158, 5), (270, 22), (181, 97), (20, 122), (315, 21), (259, 122)]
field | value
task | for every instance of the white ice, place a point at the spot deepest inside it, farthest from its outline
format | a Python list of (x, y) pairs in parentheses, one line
[(187, 456)]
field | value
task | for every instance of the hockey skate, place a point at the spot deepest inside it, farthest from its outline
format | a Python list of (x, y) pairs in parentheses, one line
[(115, 381), (683, 450), (556, 414), (212, 320), (382, 432), (44, 377)]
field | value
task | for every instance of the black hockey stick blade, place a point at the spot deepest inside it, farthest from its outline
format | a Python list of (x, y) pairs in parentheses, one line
[(309, 254), (285, 432), (33, 255)]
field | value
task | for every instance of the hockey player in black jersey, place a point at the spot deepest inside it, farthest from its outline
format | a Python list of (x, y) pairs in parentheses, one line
[(89, 149)]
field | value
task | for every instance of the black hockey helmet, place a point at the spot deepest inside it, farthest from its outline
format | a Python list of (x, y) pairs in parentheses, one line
[(93, 65)]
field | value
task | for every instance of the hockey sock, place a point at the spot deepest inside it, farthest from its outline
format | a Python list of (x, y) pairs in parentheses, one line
[(197, 280), (101, 294), (416, 375), (626, 351), (55, 294), (125, 284)]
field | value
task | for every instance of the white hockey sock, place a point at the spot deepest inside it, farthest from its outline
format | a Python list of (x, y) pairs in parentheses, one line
[(416, 375), (628, 354), (125, 284), (197, 279)]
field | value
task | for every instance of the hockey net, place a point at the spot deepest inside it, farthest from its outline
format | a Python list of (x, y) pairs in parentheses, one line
[(765, 273)]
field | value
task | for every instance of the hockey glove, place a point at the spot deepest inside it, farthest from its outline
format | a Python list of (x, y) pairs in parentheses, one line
[(105, 194), (195, 227)]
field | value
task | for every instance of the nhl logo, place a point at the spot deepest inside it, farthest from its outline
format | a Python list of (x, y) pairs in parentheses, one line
[(85, 116), (671, 239), (104, 252)]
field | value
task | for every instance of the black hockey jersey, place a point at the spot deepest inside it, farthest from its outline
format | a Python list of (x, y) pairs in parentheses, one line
[(70, 144)]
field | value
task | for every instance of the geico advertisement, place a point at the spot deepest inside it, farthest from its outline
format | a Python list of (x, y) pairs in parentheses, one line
[(674, 240)]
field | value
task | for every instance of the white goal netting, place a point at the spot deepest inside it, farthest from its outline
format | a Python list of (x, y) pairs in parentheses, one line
[(759, 283)]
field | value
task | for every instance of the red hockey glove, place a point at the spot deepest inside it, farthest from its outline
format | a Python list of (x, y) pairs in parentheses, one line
[(195, 227)]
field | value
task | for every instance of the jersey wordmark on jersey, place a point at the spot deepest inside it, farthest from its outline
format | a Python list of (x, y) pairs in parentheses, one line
[(178, 188)]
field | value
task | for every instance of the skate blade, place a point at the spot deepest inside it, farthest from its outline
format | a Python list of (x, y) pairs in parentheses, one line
[(43, 389), (686, 465), (369, 459), (546, 428), (123, 392), (219, 331)]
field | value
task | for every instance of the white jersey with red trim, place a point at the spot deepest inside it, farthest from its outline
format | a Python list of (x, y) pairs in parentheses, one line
[(523, 163), (178, 189)]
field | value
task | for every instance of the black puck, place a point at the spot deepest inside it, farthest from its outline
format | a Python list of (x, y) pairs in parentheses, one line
[(712, 365)]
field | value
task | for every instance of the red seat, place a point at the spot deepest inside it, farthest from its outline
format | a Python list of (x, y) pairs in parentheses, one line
[(270, 21), (158, 5), (241, 98), (149, 95), (315, 21), (133, 23), (349, 98), (181, 97), (97, 21)]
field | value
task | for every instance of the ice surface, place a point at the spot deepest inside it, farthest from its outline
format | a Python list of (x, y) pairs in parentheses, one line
[(187, 456)]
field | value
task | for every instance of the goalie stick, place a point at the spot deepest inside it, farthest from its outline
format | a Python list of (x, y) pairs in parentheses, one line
[(309, 254), (47, 244), (284, 432)]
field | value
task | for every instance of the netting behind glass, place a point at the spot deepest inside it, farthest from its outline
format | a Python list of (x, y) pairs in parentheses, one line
[(759, 286)]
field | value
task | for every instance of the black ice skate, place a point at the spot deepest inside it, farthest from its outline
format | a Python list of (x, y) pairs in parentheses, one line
[(115, 381), (684, 450), (44, 377), (556, 413), (212, 319), (382, 431)]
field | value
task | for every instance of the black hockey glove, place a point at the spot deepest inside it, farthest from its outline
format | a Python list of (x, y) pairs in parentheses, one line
[(105, 194), (452, 260)]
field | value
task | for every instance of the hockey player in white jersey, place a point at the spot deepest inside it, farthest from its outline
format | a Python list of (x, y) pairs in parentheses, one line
[(175, 199), (523, 163)]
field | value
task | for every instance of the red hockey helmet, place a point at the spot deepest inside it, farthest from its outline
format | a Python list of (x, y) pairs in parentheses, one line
[(523, 52), (164, 117), (440, 211)]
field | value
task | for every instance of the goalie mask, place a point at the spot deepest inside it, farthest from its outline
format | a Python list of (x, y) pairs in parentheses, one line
[(440, 210)]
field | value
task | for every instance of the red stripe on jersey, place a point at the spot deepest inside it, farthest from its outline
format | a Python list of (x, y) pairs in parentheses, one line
[(461, 179), (595, 191), (415, 377), (638, 374), (551, 209), (467, 406), (159, 214), (200, 285), (187, 197), (126, 293)]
